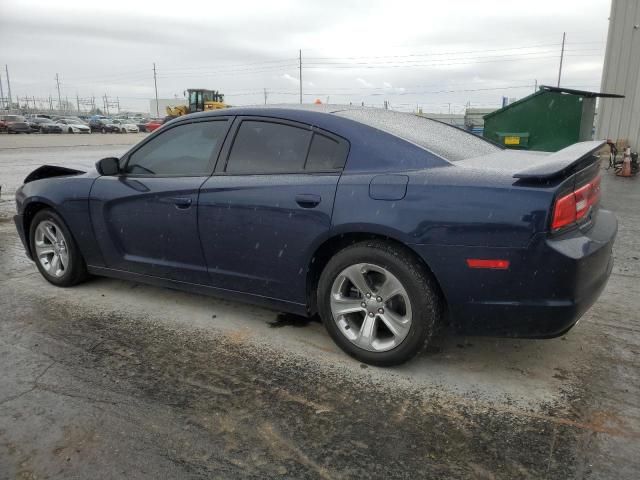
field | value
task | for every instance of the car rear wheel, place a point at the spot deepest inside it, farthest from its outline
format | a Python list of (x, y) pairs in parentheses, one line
[(55, 251), (377, 304), (70, 131)]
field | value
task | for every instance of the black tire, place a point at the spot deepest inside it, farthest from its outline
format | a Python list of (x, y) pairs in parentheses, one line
[(76, 270), (70, 131), (419, 285)]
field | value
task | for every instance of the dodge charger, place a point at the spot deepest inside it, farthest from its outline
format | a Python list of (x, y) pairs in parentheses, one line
[(387, 225)]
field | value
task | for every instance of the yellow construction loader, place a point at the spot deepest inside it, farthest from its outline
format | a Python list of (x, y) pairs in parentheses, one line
[(200, 100)]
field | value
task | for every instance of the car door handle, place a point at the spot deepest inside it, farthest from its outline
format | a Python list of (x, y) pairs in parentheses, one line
[(181, 202), (308, 200)]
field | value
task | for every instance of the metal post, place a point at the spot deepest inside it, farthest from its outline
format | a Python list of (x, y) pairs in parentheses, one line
[(535, 86), (155, 84), (59, 99), (564, 36), (78, 102), (265, 96), (300, 67), (6, 69), (1, 95)]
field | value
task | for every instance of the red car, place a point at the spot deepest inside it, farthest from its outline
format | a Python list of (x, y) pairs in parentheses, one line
[(153, 125)]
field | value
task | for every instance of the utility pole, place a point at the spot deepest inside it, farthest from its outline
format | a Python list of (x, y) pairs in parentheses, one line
[(6, 69), (535, 86), (265, 96), (155, 84), (564, 36), (1, 95), (59, 99), (78, 102), (300, 67)]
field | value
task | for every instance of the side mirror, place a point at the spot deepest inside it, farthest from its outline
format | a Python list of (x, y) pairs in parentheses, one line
[(108, 166)]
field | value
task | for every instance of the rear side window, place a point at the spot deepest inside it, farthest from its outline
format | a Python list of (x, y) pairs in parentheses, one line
[(326, 154), (267, 147), (181, 150)]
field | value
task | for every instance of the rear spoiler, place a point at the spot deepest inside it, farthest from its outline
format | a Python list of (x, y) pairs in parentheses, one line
[(560, 162)]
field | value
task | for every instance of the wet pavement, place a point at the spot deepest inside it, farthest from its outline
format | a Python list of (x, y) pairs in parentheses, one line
[(115, 379)]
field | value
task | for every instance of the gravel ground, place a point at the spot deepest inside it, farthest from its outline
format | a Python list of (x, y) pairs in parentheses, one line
[(114, 379)]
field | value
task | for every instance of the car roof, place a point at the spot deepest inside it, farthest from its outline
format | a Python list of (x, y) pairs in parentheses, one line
[(444, 140)]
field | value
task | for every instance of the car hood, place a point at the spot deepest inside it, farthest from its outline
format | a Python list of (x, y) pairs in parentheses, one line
[(48, 171)]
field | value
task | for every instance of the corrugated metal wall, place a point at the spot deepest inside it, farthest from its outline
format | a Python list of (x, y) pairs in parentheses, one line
[(620, 118)]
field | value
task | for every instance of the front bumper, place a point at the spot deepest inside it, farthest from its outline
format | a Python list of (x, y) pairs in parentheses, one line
[(547, 288), (19, 221)]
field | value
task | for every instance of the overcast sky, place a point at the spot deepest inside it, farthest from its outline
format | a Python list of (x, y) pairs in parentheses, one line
[(438, 55)]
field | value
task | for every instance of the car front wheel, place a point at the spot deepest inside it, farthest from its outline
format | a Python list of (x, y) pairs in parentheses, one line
[(55, 251), (377, 303)]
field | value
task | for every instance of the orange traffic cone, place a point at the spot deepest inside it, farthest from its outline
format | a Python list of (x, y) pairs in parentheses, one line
[(626, 164)]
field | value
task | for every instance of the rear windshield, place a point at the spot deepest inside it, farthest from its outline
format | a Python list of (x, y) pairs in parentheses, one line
[(444, 140)]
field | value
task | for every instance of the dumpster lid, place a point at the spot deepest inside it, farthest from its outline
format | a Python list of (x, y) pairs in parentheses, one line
[(583, 93)]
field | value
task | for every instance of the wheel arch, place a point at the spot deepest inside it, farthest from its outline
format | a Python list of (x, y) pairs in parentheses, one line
[(29, 212), (326, 250)]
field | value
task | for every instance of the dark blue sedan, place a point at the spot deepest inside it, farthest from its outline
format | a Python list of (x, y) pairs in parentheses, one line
[(388, 225)]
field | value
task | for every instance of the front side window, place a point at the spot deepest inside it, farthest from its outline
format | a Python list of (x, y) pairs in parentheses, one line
[(181, 150), (267, 147)]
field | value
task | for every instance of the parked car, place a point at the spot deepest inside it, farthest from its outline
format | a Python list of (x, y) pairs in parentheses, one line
[(38, 115), (153, 124), (141, 123), (44, 125), (33, 126), (158, 122), (75, 120), (14, 124), (387, 224), (125, 126), (72, 126), (103, 125)]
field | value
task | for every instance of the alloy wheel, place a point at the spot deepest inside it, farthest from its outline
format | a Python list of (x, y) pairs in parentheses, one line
[(51, 248), (371, 307)]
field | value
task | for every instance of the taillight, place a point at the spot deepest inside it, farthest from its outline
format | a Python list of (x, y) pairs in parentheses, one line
[(572, 207)]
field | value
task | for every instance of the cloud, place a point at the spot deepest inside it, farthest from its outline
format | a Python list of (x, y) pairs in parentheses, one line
[(364, 83), (351, 61), (291, 79)]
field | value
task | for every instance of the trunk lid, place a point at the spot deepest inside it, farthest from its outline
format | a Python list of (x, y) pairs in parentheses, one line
[(532, 166)]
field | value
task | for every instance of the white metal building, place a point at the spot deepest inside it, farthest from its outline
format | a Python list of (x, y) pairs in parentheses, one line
[(620, 118), (163, 103)]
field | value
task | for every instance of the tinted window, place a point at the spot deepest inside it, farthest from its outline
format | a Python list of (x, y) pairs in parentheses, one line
[(181, 150), (265, 147), (325, 154)]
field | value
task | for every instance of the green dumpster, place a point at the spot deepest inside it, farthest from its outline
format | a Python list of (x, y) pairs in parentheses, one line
[(548, 120)]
